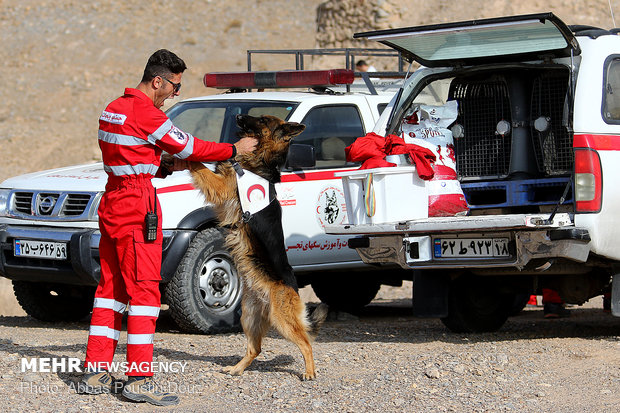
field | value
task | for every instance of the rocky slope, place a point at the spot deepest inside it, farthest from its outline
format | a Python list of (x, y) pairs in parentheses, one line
[(64, 60)]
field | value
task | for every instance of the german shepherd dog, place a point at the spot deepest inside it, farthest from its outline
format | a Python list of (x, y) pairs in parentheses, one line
[(270, 294)]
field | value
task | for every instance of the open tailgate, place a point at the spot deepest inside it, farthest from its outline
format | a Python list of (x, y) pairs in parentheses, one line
[(496, 40)]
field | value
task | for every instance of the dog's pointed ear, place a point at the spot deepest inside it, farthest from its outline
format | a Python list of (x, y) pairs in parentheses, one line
[(290, 129)]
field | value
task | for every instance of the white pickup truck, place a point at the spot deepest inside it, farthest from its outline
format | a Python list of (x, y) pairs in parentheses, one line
[(49, 233), (537, 150)]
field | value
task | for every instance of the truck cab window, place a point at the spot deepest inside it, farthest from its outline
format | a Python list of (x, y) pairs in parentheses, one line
[(435, 93), (215, 120), (330, 129), (611, 103), (204, 124)]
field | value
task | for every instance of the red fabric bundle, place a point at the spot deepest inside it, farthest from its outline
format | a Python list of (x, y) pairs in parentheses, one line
[(372, 149)]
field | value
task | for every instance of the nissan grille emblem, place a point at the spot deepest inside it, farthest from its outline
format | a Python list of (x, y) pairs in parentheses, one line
[(46, 205)]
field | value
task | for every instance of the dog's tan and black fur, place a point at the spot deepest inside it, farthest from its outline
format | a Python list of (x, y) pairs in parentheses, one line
[(270, 295)]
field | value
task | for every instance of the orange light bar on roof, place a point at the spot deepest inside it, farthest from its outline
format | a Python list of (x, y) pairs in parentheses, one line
[(288, 78)]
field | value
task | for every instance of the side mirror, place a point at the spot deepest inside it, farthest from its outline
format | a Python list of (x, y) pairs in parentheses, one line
[(300, 156)]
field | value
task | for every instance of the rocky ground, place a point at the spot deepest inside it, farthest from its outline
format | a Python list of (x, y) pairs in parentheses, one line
[(384, 360)]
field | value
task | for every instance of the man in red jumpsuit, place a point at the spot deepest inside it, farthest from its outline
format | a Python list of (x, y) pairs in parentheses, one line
[(133, 132)]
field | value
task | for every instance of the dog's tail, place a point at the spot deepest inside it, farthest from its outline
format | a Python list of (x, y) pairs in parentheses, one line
[(316, 319)]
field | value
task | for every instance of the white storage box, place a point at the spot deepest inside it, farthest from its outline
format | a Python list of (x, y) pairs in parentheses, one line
[(400, 195)]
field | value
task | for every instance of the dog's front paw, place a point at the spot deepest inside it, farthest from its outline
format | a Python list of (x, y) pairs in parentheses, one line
[(308, 376), (232, 370)]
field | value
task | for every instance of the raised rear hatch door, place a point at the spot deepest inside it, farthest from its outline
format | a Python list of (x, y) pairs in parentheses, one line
[(496, 40)]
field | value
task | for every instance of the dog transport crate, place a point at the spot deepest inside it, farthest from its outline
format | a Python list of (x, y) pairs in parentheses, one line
[(532, 163), (554, 145), (481, 153)]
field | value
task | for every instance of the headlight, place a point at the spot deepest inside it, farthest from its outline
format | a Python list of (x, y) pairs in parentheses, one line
[(4, 202)]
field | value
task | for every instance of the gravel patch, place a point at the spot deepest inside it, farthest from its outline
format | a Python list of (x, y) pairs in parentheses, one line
[(383, 359)]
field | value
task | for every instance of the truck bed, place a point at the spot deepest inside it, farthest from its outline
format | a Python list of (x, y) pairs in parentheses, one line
[(478, 223)]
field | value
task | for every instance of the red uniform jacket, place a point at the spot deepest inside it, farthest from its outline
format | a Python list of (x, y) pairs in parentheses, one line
[(133, 133)]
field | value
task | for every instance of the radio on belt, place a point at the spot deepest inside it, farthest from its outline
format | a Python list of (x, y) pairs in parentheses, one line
[(150, 220)]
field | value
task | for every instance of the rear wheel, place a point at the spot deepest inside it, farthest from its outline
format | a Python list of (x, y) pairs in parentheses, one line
[(477, 305), (54, 302), (204, 295), (519, 303), (346, 291)]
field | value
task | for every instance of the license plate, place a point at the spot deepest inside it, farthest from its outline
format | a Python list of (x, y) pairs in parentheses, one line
[(470, 247), (40, 249)]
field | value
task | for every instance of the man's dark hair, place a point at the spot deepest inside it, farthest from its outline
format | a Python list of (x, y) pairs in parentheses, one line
[(163, 63), (361, 63)]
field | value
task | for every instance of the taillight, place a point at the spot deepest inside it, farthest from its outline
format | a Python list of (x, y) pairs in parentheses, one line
[(288, 78), (588, 181)]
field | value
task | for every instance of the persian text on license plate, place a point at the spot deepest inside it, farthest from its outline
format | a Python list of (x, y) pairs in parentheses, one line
[(40, 249), (470, 247)]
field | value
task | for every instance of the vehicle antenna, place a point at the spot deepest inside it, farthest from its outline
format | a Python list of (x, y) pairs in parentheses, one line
[(611, 10)]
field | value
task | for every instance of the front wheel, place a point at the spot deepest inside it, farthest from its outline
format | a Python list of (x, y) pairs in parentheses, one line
[(54, 302), (204, 294), (477, 305)]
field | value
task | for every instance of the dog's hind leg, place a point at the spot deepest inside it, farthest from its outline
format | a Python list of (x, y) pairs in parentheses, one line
[(255, 323), (288, 316)]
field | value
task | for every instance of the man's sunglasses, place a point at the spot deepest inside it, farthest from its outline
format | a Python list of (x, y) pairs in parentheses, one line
[(175, 86)]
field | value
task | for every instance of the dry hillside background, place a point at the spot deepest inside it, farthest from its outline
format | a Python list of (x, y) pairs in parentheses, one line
[(62, 61)]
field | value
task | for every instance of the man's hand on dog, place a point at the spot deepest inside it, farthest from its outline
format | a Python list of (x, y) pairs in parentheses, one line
[(245, 145), (173, 164)]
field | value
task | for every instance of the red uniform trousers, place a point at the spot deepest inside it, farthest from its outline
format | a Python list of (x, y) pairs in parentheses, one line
[(130, 276), (550, 296)]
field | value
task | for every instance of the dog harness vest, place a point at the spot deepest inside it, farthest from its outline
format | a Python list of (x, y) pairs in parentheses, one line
[(255, 192), (133, 133)]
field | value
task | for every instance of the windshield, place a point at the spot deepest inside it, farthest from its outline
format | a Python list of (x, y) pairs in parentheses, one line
[(215, 120)]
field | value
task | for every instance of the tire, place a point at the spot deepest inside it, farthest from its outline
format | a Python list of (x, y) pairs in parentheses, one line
[(476, 305), (519, 303), (204, 295), (348, 292), (54, 302)]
